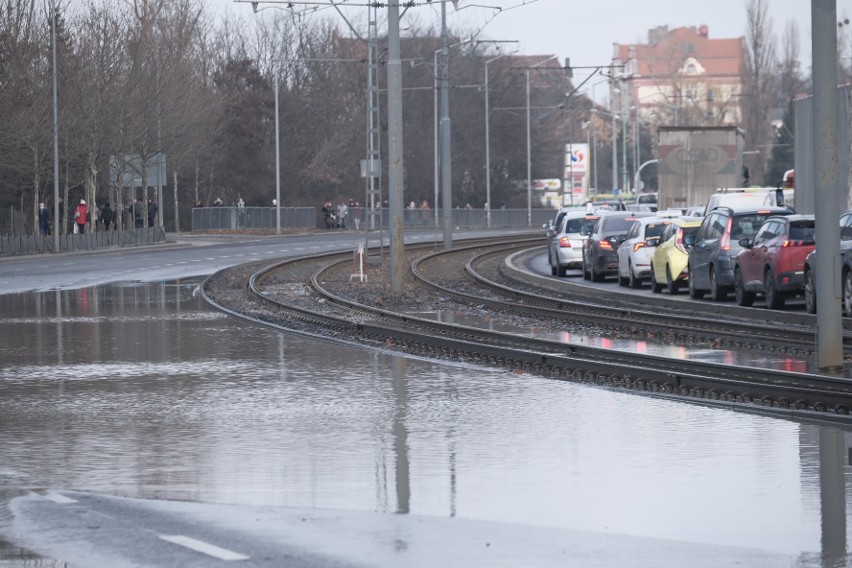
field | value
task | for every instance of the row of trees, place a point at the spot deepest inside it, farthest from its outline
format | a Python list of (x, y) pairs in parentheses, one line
[(138, 77)]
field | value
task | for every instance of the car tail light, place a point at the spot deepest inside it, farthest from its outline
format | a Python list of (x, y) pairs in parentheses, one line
[(606, 245), (679, 241), (726, 236), (564, 242), (794, 243)]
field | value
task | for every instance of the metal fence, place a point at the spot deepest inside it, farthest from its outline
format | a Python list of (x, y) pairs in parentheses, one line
[(247, 218), (28, 244)]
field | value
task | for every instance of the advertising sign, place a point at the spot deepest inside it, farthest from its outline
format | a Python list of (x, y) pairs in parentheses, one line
[(576, 174)]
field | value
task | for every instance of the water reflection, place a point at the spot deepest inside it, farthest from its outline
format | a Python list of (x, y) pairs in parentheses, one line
[(143, 391), (766, 360)]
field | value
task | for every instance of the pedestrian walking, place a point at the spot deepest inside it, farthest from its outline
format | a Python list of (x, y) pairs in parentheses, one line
[(328, 216), (342, 212), (81, 215), (106, 215), (152, 212), (43, 220)]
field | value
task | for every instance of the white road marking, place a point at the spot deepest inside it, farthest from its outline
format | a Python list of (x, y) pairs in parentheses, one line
[(204, 548)]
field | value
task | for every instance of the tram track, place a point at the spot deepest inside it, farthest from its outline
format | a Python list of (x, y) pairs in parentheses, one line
[(309, 295)]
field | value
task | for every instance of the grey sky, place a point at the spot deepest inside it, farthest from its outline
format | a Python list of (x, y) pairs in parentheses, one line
[(585, 31)]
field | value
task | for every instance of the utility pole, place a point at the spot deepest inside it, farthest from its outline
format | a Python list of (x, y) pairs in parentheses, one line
[(446, 159), (56, 221), (395, 152)]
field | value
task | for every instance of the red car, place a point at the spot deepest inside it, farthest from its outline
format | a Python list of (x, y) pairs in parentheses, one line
[(772, 263)]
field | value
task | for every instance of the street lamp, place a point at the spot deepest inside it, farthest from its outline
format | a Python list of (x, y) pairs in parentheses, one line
[(277, 156), (56, 213), (488, 144), (529, 142)]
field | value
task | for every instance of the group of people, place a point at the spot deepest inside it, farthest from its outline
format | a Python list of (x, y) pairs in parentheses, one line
[(335, 217), (104, 218)]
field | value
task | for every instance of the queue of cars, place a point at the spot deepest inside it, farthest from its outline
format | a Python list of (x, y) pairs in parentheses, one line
[(747, 250)]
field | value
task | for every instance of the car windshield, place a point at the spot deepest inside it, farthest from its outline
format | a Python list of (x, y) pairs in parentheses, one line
[(802, 231), (617, 224), (655, 229), (647, 199), (688, 235), (581, 225), (747, 225)]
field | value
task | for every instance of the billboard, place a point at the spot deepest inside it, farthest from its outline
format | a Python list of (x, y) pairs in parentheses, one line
[(576, 174)]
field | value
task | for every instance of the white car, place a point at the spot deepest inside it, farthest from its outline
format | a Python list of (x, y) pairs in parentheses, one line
[(565, 249), (634, 254)]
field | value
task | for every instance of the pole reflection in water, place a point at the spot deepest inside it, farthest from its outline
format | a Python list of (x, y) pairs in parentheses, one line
[(145, 391), (400, 437), (832, 451)]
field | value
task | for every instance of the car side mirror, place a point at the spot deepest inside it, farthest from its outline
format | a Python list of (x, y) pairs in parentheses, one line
[(652, 242), (745, 242), (688, 241)]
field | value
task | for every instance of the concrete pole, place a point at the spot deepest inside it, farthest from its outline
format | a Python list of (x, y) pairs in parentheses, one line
[(614, 138), (57, 221), (277, 157), (446, 155), (395, 152), (829, 344), (625, 182), (488, 149), (529, 157), (437, 139)]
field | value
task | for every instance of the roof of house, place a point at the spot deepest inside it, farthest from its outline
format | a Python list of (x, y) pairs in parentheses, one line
[(672, 51)]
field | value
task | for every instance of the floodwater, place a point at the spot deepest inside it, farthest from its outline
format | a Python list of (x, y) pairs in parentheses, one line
[(144, 391), (761, 360)]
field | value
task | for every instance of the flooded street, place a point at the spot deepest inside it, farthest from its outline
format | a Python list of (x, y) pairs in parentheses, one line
[(143, 391)]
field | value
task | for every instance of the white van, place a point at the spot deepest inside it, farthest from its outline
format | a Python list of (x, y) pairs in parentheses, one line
[(740, 197)]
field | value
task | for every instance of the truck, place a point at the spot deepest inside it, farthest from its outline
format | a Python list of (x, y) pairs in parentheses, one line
[(695, 162)]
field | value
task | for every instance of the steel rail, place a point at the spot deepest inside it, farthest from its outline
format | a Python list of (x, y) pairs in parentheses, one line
[(800, 395)]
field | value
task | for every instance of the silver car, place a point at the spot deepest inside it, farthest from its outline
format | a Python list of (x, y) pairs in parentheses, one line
[(634, 255), (565, 249)]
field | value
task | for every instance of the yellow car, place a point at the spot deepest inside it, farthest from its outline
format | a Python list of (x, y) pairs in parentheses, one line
[(668, 263)]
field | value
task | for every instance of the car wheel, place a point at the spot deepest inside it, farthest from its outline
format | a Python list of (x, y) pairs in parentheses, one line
[(716, 291), (632, 280), (744, 297), (847, 293), (561, 271), (774, 298), (810, 292), (586, 274), (694, 292), (596, 276), (554, 270), (671, 285), (656, 287)]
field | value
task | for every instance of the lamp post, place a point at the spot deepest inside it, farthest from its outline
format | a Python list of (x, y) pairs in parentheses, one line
[(56, 221), (277, 157), (529, 143), (488, 144)]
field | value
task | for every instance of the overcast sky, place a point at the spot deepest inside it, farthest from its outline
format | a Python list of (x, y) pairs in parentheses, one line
[(584, 31)]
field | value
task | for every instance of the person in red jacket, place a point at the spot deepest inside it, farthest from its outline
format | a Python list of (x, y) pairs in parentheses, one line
[(80, 216)]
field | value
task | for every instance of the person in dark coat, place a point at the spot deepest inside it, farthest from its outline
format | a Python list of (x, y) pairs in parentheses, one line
[(106, 215), (43, 220), (152, 213)]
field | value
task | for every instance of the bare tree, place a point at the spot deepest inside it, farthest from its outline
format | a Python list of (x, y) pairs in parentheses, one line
[(759, 71)]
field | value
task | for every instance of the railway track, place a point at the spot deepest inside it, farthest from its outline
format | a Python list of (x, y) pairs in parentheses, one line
[(309, 295)]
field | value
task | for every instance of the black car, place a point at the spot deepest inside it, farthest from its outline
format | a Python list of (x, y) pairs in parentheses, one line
[(845, 264), (600, 258), (711, 258)]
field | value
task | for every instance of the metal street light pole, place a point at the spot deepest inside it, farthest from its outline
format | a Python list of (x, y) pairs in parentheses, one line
[(56, 213), (488, 204), (529, 143), (277, 157)]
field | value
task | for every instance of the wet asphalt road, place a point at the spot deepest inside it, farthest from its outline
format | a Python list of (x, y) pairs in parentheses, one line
[(288, 450)]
